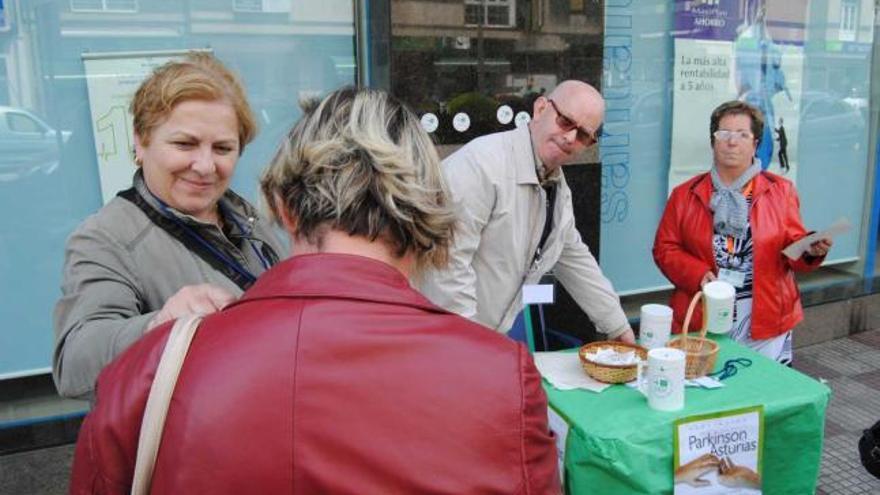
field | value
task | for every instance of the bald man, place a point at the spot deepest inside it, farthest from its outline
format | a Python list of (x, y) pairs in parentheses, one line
[(516, 220)]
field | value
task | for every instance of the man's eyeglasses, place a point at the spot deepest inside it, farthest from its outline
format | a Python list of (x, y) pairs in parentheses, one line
[(725, 135), (565, 123)]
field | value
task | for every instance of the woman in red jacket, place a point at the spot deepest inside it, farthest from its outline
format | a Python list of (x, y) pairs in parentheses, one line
[(732, 223)]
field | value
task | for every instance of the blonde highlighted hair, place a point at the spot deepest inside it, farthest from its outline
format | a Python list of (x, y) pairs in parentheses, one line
[(198, 76), (358, 161)]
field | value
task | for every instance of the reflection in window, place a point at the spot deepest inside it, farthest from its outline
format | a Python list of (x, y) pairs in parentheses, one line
[(19, 122), (491, 13), (104, 5), (478, 55), (849, 19), (271, 6), (4, 82), (51, 154)]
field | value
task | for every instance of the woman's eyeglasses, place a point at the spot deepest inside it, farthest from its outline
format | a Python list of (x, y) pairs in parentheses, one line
[(565, 123), (725, 135)]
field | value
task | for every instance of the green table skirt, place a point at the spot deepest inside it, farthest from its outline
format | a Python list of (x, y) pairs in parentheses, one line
[(618, 445)]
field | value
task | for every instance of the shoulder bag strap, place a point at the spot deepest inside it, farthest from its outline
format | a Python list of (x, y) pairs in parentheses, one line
[(156, 409)]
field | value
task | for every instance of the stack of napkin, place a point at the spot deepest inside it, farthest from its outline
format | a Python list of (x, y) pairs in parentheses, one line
[(564, 371)]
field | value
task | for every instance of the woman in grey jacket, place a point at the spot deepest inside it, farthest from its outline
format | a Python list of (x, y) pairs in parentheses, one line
[(179, 241)]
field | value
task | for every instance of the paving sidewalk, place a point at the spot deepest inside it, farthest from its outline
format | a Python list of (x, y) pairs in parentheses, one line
[(851, 367)]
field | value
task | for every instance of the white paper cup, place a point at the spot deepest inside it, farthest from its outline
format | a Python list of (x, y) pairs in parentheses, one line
[(718, 299), (661, 379), (655, 325)]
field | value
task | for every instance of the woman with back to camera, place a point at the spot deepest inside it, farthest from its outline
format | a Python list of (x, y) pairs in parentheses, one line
[(179, 241), (337, 376), (732, 223)]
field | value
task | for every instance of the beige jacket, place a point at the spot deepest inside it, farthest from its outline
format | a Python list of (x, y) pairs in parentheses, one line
[(501, 211), (120, 268)]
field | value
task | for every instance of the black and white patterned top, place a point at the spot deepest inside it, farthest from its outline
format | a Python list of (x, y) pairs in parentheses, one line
[(738, 255)]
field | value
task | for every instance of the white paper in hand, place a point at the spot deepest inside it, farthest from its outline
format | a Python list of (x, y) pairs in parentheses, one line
[(796, 249)]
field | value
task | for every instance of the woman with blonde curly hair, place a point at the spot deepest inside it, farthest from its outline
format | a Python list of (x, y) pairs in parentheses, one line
[(179, 240), (337, 376)]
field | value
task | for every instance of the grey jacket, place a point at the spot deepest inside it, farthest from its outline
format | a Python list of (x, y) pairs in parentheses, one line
[(501, 211), (120, 268)]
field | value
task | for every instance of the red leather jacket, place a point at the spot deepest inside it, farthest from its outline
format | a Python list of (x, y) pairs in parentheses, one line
[(683, 251), (330, 375)]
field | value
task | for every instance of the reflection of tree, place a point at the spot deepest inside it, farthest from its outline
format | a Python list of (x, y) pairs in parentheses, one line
[(759, 74)]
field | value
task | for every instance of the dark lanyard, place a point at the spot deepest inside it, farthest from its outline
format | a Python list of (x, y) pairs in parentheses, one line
[(731, 366), (193, 241), (230, 262), (231, 215), (548, 222)]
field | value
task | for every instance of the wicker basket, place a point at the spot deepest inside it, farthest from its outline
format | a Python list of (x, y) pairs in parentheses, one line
[(700, 352), (611, 373)]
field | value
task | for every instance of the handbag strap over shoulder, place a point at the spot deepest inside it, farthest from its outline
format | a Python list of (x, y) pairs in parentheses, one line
[(153, 422)]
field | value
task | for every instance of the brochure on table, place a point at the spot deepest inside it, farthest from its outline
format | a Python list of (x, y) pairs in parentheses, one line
[(719, 453)]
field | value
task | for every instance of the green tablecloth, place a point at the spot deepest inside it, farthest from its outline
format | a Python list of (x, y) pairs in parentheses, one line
[(618, 445)]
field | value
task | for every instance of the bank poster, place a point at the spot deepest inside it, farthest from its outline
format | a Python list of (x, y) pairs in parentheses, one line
[(748, 50), (719, 453), (112, 79)]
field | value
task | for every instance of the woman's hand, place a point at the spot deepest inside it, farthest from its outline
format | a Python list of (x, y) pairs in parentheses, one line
[(708, 277), (820, 248), (192, 299)]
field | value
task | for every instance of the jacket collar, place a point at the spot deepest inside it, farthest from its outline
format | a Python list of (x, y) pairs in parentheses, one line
[(230, 202), (524, 155), (339, 276)]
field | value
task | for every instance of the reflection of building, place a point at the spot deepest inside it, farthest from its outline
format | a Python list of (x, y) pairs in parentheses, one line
[(785, 20), (283, 50), (17, 60), (850, 21), (41, 44), (478, 54), (845, 44)]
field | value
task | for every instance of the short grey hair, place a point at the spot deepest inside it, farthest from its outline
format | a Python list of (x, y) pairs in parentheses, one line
[(359, 161)]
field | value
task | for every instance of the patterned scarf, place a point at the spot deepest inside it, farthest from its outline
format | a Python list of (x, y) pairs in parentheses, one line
[(730, 206)]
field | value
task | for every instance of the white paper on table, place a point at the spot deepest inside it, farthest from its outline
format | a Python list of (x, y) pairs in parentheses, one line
[(564, 371), (702, 382), (796, 249)]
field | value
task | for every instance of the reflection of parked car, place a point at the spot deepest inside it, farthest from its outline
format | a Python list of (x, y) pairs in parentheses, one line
[(27, 144), (829, 121)]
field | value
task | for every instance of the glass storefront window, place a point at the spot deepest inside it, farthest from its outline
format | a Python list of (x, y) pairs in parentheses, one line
[(475, 57), (49, 164), (807, 65)]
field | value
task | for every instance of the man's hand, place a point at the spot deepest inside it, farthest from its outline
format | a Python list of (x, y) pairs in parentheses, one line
[(193, 299), (627, 337)]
